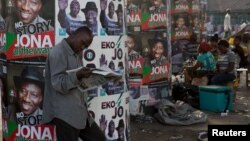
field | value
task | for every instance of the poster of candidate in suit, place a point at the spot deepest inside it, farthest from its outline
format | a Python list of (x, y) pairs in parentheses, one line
[(156, 63), (72, 14), (30, 30), (112, 21), (135, 57), (180, 26), (111, 113), (25, 96), (133, 15), (155, 17)]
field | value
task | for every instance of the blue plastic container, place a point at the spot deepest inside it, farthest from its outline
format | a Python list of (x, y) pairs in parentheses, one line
[(215, 98)]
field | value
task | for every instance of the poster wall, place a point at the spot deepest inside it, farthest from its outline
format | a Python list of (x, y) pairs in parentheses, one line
[(25, 111), (29, 36)]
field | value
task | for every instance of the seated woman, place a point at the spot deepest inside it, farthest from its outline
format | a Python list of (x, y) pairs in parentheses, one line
[(205, 63), (225, 64)]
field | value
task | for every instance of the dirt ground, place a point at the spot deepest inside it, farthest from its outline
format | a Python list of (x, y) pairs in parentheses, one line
[(159, 132)]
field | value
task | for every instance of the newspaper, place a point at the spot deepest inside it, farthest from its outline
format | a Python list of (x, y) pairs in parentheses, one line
[(99, 77)]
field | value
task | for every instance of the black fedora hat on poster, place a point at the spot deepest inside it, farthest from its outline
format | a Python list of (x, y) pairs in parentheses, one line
[(119, 8), (89, 6), (158, 37), (29, 74)]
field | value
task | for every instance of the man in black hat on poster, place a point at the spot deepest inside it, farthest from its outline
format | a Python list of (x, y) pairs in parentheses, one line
[(29, 87), (158, 50), (72, 21), (111, 27)]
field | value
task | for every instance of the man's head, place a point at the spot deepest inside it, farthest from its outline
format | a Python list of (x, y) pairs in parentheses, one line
[(223, 46), (30, 86), (111, 9), (180, 22), (157, 3), (112, 65), (119, 13), (130, 42), (80, 39), (228, 10), (74, 8), (196, 21), (204, 47), (111, 128), (120, 130), (214, 41), (237, 40), (90, 12), (28, 10), (157, 45)]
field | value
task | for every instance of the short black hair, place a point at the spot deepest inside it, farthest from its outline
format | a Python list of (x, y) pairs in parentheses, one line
[(214, 39), (224, 43), (82, 29)]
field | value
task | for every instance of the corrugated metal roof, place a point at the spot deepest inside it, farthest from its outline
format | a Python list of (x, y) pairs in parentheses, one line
[(234, 5)]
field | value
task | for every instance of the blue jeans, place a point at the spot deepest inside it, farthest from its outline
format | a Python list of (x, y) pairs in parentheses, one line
[(222, 79)]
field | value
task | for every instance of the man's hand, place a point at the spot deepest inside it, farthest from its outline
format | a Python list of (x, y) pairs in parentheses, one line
[(83, 73), (103, 4), (63, 4), (103, 60), (103, 123)]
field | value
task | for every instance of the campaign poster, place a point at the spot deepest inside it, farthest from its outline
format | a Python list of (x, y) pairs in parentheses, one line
[(195, 23), (156, 56), (180, 26), (103, 17), (72, 14), (137, 91), (30, 36), (2, 31), (25, 97), (111, 113), (133, 15), (110, 52), (157, 91), (177, 56), (112, 17), (3, 91), (135, 55), (180, 6), (155, 16)]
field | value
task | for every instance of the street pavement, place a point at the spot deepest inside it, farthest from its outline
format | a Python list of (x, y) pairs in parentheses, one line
[(159, 132)]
